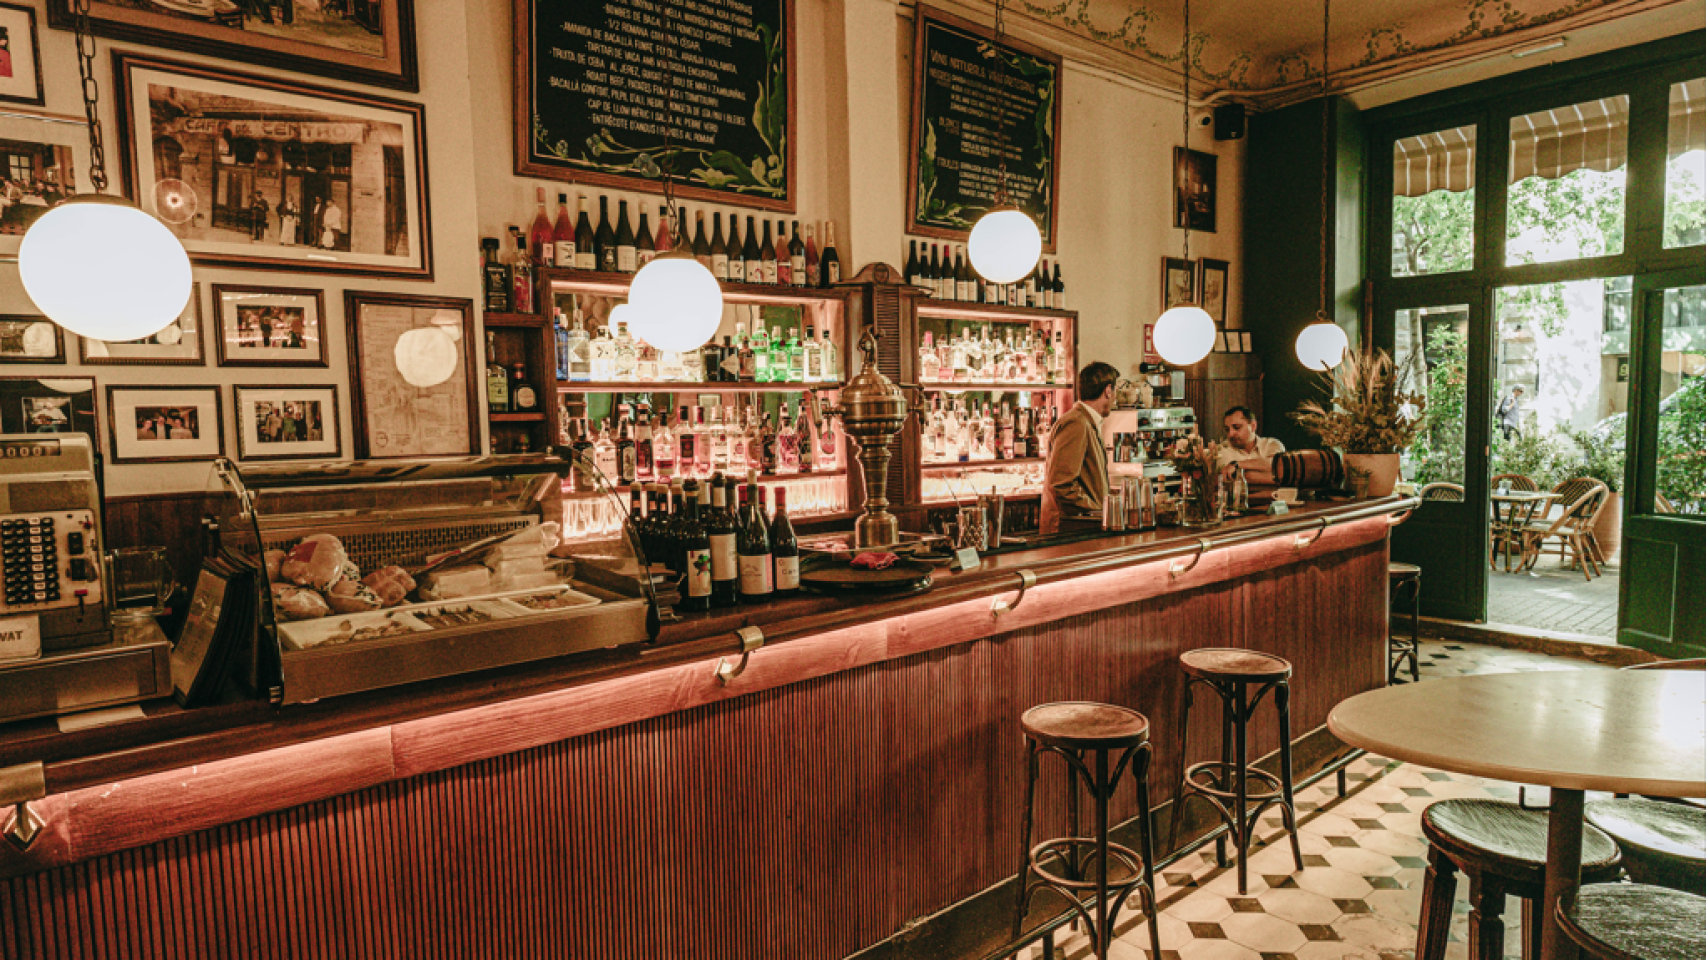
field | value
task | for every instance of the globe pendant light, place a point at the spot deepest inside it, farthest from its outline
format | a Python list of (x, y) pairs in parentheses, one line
[(1322, 344), (1005, 243), (1184, 333), (132, 295)]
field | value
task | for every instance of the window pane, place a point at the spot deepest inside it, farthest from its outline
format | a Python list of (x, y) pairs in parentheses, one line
[(1567, 182), (1433, 203), (1682, 404), (1432, 353), (1685, 166)]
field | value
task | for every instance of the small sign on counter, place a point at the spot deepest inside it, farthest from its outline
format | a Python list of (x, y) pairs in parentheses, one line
[(966, 558), (20, 639)]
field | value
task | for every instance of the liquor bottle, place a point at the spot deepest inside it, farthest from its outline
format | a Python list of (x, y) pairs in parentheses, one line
[(787, 444), (760, 354), (627, 254), (605, 239), (929, 365), (664, 241), (696, 549), (719, 250), (541, 238), (560, 341), (830, 267), (964, 289), (796, 358), (720, 530), (1062, 372), (586, 241), (754, 434), (645, 249), (767, 270), (626, 354), (665, 453), (913, 276), (796, 258), (831, 358), (766, 447), (784, 548), (701, 448), (604, 452), (686, 444), (1006, 433), (496, 274), (1033, 443), (784, 258), (828, 443), (701, 246), (523, 398), (813, 266), (757, 577), (735, 429), (805, 427), (645, 463), (746, 358), (671, 367), (637, 517), (583, 454), (1240, 499), (497, 378), (645, 362), (718, 430), (521, 274), (626, 465), (813, 351), (751, 254), (563, 234), (1059, 289), (933, 271)]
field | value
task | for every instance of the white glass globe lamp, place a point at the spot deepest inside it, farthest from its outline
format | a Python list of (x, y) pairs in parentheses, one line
[(674, 303), (1321, 345), (1184, 334), (135, 293), (1005, 245)]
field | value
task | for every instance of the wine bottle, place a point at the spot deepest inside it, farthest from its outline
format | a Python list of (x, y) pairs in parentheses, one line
[(933, 273), (1030, 292), (1059, 289), (962, 275), (701, 247), (720, 530), (644, 466), (605, 238), (751, 254), (645, 248), (767, 264), (625, 465), (563, 235), (796, 258), (912, 274), (719, 250), (696, 549), (496, 274), (541, 238), (586, 243), (686, 444), (497, 378), (737, 260), (664, 242), (627, 254), (637, 519), (521, 274), (785, 548), (830, 269), (1045, 288), (757, 577), (813, 270)]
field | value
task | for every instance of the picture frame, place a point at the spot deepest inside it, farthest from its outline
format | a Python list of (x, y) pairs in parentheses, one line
[(1212, 278), (267, 173), (20, 56), (287, 421), (1194, 189), (1178, 282), (190, 418), (1244, 342), (380, 52), (270, 326), (181, 343), (26, 338), (58, 154), (49, 405), (412, 375)]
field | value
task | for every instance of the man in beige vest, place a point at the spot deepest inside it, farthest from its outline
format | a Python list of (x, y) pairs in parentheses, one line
[(1077, 475)]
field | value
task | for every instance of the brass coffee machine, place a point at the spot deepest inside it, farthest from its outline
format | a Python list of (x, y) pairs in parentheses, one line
[(873, 410)]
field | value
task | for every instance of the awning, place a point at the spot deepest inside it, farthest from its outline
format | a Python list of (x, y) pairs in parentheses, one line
[(1687, 117), (1434, 161), (1554, 143)]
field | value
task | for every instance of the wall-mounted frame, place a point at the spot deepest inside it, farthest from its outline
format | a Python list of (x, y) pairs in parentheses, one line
[(257, 172), (270, 326), (165, 424), (286, 421), (412, 381), (577, 116), (57, 153), (20, 56), (179, 344), (1212, 277), (1178, 282), (371, 42), (31, 339), (1194, 191), (49, 405)]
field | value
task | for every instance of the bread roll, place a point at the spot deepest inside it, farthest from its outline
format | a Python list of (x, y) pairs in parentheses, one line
[(353, 596), (318, 562), (392, 584), (298, 603)]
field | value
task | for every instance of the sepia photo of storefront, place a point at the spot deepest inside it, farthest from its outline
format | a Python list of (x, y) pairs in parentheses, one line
[(275, 178)]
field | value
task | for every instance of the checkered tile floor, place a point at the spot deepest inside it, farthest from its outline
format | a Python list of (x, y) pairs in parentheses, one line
[(1360, 890)]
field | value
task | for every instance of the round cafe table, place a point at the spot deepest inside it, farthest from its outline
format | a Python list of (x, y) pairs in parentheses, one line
[(1640, 731)]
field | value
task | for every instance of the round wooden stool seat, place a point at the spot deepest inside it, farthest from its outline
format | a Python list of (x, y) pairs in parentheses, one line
[(1238, 666), (1499, 837), (1663, 844), (1402, 571), (1085, 726), (1633, 921)]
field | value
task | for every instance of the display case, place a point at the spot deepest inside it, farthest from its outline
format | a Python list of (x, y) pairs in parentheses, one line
[(379, 573)]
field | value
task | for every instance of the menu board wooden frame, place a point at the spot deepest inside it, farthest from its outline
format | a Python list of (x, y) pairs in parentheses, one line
[(924, 17), (527, 165), (367, 380)]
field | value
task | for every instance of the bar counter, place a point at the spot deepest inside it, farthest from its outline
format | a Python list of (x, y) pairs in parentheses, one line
[(858, 771)]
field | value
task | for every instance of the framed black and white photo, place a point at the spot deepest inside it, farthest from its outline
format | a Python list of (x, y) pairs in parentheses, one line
[(1212, 276), (40, 163), (48, 405), (270, 326), (252, 171), (287, 422), (20, 56), (164, 425), (1178, 282), (28, 339), (179, 344), (1193, 189)]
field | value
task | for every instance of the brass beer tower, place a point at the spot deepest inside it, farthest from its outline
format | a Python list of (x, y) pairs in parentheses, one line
[(872, 411)]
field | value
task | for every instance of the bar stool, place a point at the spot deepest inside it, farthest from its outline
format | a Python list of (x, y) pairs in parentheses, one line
[(1229, 673), (1630, 921), (1663, 844), (1108, 733), (1398, 577)]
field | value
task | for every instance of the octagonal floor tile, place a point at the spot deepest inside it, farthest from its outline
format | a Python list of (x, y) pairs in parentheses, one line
[(1373, 930), (1299, 906), (1333, 883), (1263, 933), (1363, 863)]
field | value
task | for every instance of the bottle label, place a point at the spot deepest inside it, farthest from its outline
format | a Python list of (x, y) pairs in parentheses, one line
[(737, 269), (607, 261), (525, 398), (586, 260), (835, 271), (787, 573), (785, 272), (698, 573), (797, 269), (497, 393), (756, 577), (548, 254), (565, 250), (626, 466), (720, 266), (626, 259), (723, 564)]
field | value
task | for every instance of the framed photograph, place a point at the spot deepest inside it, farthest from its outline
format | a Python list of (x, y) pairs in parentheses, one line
[(412, 381), (287, 422), (40, 162), (1244, 342), (1193, 189), (262, 173), (179, 344), (27, 339), (1212, 276), (49, 405), (20, 56), (370, 41), (270, 326), (1178, 282), (164, 425)]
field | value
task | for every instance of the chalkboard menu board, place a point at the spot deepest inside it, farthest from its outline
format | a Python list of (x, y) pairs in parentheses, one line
[(598, 85), (968, 94)]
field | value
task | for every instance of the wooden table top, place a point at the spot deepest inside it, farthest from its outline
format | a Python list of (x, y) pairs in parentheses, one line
[(1641, 731)]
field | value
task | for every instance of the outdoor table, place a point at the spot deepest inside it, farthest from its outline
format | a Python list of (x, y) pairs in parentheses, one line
[(1512, 511), (1640, 731)]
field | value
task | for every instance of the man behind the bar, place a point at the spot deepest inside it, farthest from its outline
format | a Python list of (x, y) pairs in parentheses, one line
[(1077, 478), (1252, 453)]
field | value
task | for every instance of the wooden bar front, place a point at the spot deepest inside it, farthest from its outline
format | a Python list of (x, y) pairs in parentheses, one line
[(861, 774)]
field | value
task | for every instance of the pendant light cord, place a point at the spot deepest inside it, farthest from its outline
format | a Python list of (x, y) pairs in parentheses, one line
[(1185, 57), (669, 159), (1000, 108), (91, 96), (1321, 315)]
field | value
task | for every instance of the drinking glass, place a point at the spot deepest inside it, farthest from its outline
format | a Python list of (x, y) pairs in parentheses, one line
[(973, 530), (140, 581)]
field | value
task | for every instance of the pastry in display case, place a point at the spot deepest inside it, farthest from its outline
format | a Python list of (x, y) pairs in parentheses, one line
[(385, 572)]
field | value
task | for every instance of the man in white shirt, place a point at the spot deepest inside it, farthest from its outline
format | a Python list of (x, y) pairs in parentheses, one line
[(1243, 447)]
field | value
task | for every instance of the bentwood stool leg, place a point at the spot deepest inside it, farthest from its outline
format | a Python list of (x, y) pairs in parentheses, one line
[(1241, 789), (1178, 809), (1225, 778), (1023, 897), (1288, 808), (1439, 889), (1152, 904)]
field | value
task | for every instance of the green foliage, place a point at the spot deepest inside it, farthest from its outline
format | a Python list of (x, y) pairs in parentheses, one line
[(1600, 457), (1685, 205), (1438, 450), (1537, 456), (1582, 209), (1682, 448), (1435, 232)]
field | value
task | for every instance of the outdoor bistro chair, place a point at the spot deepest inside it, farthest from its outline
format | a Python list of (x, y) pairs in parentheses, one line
[(1569, 529), (1568, 493), (1518, 482), (1443, 491), (1503, 533)]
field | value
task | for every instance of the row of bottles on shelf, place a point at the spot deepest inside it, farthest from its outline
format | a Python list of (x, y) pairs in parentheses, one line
[(803, 355), (727, 548), (1032, 357), (948, 275), (508, 388), (956, 432), (700, 442)]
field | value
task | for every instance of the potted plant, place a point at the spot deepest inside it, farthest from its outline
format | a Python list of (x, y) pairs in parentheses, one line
[(1602, 460), (1371, 418)]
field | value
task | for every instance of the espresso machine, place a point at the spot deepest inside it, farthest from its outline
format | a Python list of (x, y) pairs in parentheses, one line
[(1137, 440)]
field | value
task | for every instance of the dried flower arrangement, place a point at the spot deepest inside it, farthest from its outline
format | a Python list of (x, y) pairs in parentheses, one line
[(1371, 412)]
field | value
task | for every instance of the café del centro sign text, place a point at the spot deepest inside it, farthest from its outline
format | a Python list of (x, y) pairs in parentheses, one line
[(307, 131)]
